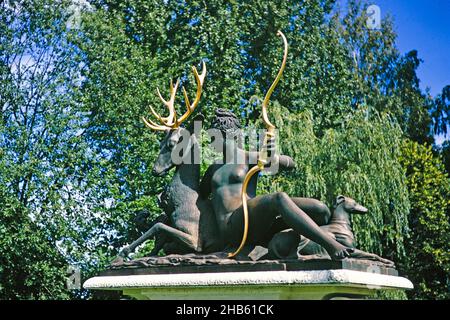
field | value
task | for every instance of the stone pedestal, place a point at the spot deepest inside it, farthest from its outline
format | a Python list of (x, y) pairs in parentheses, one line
[(267, 280), (260, 285)]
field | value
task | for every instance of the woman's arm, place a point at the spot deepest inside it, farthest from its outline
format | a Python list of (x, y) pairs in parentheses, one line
[(274, 159), (286, 162)]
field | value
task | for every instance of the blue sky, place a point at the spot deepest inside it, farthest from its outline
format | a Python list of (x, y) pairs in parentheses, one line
[(424, 26)]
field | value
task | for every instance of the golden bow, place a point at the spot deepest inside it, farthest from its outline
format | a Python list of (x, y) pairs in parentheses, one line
[(263, 157)]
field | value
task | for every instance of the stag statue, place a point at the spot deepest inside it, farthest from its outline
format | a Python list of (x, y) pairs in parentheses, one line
[(191, 225)]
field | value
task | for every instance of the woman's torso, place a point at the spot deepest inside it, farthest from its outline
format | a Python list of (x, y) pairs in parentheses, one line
[(226, 187)]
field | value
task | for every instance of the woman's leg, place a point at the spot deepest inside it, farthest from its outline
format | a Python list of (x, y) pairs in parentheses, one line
[(315, 209), (263, 211)]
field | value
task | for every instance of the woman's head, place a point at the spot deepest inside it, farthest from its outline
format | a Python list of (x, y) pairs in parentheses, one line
[(229, 126), (226, 121)]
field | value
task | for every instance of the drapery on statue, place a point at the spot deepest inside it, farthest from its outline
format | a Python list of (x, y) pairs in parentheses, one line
[(223, 209)]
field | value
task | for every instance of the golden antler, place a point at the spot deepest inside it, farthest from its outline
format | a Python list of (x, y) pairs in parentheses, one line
[(200, 79), (262, 159), (171, 121)]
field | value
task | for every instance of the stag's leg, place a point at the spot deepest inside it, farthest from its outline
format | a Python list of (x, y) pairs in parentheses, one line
[(263, 211), (166, 231), (160, 241)]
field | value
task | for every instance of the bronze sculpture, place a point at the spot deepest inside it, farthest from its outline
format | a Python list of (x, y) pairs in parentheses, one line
[(219, 214)]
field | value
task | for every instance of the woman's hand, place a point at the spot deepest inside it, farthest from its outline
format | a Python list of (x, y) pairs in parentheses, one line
[(269, 150), (273, 160)]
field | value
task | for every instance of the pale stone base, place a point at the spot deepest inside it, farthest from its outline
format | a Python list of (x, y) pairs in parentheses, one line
[(273, 285)]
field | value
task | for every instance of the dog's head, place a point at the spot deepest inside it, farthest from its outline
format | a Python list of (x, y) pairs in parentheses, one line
[(350, 205)]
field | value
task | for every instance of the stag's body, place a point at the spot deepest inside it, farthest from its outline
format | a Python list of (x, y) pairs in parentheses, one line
[(182, 194), (189, 213), (191, 226)]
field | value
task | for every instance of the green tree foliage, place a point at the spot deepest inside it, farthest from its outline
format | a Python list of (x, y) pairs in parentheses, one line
[(48, 174), (360, 160), (39, 146), (427, 261), (445, 151), (441, 111), (30, 265), (386, 80)]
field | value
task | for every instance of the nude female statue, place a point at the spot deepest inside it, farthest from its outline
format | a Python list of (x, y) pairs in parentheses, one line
[(268, 214)]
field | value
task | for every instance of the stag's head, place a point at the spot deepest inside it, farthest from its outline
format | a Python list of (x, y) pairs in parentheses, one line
[(171, 125)]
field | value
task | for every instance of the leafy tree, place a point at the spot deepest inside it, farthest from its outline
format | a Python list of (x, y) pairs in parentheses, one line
[(441, 111), (38, 143), (384, 79), (445, 151), (427, 261), (360, 160), (48, 216), (30, 265)]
